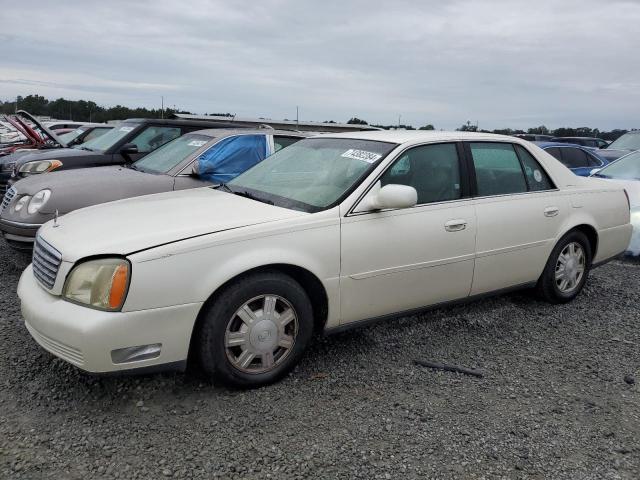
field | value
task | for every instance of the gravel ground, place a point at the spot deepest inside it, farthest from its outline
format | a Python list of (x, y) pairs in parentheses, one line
[(553, 403)]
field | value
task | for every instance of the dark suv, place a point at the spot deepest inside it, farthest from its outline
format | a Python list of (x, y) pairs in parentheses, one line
[(127, 142)]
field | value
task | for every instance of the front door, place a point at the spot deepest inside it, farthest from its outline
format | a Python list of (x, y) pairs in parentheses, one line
[(401, 259)]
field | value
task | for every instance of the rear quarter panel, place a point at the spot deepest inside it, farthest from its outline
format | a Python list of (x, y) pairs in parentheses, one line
[(604, 208)]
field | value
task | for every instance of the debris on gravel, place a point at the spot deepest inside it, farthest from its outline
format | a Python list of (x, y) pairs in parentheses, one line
[(551, 405)]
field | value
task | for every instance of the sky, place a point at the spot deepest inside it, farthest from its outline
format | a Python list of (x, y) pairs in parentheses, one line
[(497, 63)]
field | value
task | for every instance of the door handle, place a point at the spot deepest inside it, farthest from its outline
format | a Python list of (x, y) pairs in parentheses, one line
[(455, 225), (551, 211)]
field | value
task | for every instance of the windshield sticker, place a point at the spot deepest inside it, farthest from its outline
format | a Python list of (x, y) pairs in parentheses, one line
[(196, 143), (363, 155), (537, 175), (126, 129)]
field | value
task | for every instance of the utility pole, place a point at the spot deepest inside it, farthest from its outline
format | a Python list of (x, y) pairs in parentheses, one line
[(16, 105), (399, 120), (162, 108), (297, 119)]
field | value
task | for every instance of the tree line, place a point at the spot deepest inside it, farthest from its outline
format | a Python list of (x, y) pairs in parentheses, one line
[(89, 111)]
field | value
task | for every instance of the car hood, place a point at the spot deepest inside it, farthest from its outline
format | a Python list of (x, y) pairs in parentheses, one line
[(135, 224), (54, 153), (83, 187)]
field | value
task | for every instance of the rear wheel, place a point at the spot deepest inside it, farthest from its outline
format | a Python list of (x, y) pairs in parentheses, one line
[(256, 330), (567, 269)]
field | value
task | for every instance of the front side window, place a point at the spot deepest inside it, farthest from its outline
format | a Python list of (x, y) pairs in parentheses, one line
[(537, 178), (498, 170), (433, 170), (153, 137), (312, 174), (171, 154)]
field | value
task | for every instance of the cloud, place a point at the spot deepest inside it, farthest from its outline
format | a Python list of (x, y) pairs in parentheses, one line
[(501, 63)]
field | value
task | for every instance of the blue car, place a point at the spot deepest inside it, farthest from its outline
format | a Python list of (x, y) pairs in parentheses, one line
[(580, 160)]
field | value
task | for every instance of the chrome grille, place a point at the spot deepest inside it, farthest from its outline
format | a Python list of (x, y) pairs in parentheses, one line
[(46, 262), (7, 198)]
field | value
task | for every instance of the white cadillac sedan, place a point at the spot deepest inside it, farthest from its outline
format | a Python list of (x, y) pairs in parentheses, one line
[(326, 234)]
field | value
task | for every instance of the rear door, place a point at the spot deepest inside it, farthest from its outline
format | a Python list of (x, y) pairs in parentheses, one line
[(519, 213)]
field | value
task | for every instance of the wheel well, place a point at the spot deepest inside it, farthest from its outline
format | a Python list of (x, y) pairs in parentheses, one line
[(591, 235), (309, 282)]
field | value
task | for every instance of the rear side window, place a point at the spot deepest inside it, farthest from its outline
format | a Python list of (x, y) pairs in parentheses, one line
[(281, 142), (555, 152), (498, 170), (575, 158), (433, 170), (537, 178)]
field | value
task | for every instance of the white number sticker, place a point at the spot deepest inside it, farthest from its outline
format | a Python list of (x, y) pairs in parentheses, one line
[(196, 143), (126, 129), (363, 155)]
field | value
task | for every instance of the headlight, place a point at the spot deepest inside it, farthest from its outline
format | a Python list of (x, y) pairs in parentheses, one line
[(100, 284), (41, 166), (38, 201), (22, 201)]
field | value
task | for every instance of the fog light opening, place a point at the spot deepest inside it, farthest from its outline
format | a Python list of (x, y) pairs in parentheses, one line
[(136, 354)]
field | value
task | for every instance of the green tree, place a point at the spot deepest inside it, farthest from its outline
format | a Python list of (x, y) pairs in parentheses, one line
[(356, 121)]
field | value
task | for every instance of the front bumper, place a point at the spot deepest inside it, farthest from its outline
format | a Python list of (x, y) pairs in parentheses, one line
[(86, 337), (19, 235)]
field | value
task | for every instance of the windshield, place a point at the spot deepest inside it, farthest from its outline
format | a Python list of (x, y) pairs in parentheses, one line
[(71, 136), (171, 154), (109, 139), (626, 168), (628, 141), (312, 174)]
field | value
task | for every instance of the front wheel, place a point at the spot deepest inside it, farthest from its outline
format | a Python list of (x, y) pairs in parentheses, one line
[(256, 330), (567, 269)]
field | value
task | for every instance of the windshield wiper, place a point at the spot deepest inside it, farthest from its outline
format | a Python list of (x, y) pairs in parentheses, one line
[(224, 186), (601, 175), (85, 148), (253, 197)]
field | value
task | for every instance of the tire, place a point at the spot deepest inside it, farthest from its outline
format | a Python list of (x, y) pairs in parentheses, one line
[(553, 289), (255, 331)]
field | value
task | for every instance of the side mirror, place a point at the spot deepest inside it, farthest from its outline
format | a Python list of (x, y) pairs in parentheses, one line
[(594, 171), (129, 148), (389, 196)]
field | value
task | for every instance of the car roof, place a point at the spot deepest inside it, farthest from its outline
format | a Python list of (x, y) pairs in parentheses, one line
[(416, 136), (544, 145), (225, 132), (170, 121)]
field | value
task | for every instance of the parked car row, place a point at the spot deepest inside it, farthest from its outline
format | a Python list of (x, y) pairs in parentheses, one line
[(192, 160), (326, 233)]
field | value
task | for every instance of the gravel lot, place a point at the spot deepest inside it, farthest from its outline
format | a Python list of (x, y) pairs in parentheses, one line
[(553, 403)]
